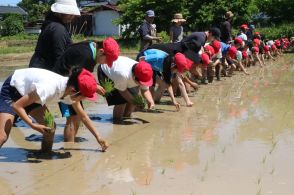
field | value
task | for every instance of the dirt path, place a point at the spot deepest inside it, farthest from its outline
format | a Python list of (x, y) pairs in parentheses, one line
[(237, 139)]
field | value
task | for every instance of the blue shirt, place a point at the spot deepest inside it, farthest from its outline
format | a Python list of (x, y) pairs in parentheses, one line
[(224, 48), (155, 58)]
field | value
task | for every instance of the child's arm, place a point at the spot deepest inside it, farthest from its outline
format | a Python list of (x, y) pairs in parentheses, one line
[(258, 59), (172, 96), (89, 124), (183, 91), (147, 95), (23, 102)]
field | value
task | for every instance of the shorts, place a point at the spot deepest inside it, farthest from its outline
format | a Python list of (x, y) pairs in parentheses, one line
[(114, 98), (9, 95), (261, 49)]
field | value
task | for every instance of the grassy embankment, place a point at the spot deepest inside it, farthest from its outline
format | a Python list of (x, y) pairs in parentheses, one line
[(24, 43)]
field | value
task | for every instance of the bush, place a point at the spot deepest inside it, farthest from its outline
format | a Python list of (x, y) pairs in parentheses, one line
[(277, 31), (12, 25), (165, 37)]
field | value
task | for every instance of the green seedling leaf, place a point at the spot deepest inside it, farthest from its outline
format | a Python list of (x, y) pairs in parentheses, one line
[(49, 120), (108, 86), (139, 101)]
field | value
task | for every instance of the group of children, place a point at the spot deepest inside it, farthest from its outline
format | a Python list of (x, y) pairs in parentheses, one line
[(172, 67)]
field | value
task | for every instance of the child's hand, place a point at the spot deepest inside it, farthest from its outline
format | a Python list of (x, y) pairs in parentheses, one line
[(100, 90), (41, 128), (190, 104), (104, 145), (177, 105)]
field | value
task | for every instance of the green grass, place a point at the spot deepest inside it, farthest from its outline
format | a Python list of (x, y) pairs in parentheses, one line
[(16, 49)]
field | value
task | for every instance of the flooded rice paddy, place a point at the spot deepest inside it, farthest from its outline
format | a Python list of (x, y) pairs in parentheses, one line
[(237, 139)]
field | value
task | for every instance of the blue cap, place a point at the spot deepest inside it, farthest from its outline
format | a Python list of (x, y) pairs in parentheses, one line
[(150, 13), (252, 26)]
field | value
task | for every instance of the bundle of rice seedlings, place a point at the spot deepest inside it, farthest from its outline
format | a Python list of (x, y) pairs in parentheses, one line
[(49, 120), (139, 101), (108, 86)]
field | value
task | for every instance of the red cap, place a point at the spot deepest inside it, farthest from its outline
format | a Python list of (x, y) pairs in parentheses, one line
[(257, 33), (216, 45), (245, 26), (143, 72), (181, 62), (111, 50), (256, 41), (87, 84), (244, 54), (209, 49), (255, 50), (266, 48), (238, 41), (205, 59), (278, 42), (189, 63), (232, 52)]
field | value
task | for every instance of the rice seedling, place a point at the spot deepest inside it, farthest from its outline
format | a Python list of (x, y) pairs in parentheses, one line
[(264, 159), (258, 192), (206, 167), (108, 86), (49, 120), (139, 101)]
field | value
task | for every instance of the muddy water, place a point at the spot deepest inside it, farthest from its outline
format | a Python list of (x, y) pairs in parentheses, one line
[(237, 139)]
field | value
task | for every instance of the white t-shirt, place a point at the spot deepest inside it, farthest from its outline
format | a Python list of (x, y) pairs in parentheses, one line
[(239, 56), (243, 36), (48, 85), (121, 73)]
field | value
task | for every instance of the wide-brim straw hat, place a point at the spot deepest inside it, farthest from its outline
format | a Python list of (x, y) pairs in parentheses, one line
[(178, 18), (66, 7), (228, 15)]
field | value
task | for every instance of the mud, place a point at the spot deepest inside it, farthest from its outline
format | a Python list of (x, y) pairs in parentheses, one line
[(238, 138)]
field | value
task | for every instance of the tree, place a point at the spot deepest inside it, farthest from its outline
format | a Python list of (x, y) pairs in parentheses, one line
[(200, 14), (279, 11), (204, 14), (35, 9), (12, 24), (133, 13)]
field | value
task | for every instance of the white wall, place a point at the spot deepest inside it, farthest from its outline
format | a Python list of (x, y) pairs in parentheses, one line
[(102, 23)]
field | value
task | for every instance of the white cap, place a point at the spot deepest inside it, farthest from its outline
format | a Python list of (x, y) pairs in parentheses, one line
[(66, 7)]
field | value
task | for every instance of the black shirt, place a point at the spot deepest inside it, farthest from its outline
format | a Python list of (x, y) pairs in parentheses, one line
[(79, 54), (52, 42), (249, 34), (200, 37), (226, 31)]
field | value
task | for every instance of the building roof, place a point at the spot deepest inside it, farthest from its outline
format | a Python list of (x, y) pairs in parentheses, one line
[(12, 9)]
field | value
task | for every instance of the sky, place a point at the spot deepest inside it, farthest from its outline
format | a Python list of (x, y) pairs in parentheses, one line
[(9, 2)]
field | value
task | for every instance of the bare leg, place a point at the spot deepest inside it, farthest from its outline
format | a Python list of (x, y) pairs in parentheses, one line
[(6, 121), (71, 128), (47, 142), (118, 112), (160, 89), (129, 108)]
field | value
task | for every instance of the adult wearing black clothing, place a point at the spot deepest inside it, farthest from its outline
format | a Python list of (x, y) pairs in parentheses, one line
[(55, 36), (203, 37), (226, 28), (189, 49)]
